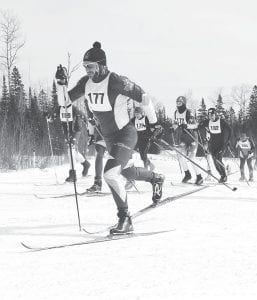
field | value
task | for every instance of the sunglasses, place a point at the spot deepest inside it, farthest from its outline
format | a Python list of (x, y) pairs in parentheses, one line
[(90, 65)]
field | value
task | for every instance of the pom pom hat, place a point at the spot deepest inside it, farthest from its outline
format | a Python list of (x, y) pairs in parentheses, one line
[(95, 54), (182, 99)]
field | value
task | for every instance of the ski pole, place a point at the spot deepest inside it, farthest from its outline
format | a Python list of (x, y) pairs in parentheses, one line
[(202, 146), (71, 156), (193, 162), (51, 148)]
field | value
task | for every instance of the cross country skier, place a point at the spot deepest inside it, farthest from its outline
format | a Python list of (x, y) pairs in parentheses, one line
[(185, 121), (246, 149), (219, 134), (144, 133), (75, 118), (106, 94)]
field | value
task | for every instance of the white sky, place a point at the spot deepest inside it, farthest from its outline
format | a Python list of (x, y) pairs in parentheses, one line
[(169, 47)]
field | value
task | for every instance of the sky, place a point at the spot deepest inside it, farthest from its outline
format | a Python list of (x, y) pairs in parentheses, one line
[(168, 47)]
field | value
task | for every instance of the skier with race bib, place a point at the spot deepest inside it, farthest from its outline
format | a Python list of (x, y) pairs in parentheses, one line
[(218, 135), (106, 94), (185, 128)]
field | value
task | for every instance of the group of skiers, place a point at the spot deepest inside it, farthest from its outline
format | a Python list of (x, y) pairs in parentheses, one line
[(111, 129)]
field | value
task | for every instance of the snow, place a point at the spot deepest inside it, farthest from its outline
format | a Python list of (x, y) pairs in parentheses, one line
[(210, 252)]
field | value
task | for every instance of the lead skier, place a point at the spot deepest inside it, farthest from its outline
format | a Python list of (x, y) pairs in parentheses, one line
[(106, 94)]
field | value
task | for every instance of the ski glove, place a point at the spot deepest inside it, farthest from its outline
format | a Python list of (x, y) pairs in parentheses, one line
[(183, 126), (71, 141), (92, 121), (156, 131), (61, 75)]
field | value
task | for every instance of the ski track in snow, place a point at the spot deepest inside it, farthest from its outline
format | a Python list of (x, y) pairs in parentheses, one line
[(211, 254)]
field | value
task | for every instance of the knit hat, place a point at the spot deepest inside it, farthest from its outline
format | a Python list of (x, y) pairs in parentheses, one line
[(95, 54), (182, 99), (211, 110)]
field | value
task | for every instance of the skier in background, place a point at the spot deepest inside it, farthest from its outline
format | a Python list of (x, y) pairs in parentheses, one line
[(246, 150), (184, 126), (144, 134), (71, 116), (219, 134)]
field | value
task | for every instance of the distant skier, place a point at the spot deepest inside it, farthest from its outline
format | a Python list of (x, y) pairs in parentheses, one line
[(185, 125), (246, 150), (144, 132), (71, 115), (106, 94), (218, 132)]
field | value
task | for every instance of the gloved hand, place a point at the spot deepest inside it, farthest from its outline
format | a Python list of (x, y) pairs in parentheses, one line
[(156, 131), (92, 121), (61, 75), (91, 140), (183, 126), (71, 140)]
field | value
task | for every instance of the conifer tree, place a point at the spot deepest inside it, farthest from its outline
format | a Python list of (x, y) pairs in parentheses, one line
[(219, 107), (4, 99), (202, 112)]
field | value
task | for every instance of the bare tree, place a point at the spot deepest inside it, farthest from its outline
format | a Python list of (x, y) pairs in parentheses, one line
[(10, 39), (71, 69), (240, 96)]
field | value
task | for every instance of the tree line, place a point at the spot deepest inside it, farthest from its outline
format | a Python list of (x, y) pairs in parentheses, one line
[(25, 132)]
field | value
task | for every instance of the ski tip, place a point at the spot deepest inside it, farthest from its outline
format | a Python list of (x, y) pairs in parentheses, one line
[(25, 246)]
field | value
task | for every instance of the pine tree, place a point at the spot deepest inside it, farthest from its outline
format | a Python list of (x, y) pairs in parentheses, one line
[(202, 112), (56, 131), (252, 108), (219, 107), (4, 100), (43, 101)]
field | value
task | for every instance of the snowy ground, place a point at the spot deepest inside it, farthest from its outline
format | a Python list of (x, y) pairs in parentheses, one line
[(209, 254)]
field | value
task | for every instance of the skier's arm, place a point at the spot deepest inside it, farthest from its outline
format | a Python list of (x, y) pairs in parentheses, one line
[(78, 90), (122, 85)]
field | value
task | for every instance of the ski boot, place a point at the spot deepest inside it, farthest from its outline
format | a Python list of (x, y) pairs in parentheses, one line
[(96, 187), (223, 178), (129, 184), (124, 225), (187, 177), (157, 183), (86, 165), (199, 179), (72, 176)]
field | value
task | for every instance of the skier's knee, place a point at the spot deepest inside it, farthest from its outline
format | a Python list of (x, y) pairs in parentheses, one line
[(112, 171)]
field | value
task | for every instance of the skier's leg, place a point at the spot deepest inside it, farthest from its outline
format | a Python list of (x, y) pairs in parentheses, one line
[(242, 168), (120, 148), (250, 167), (183, 163)]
